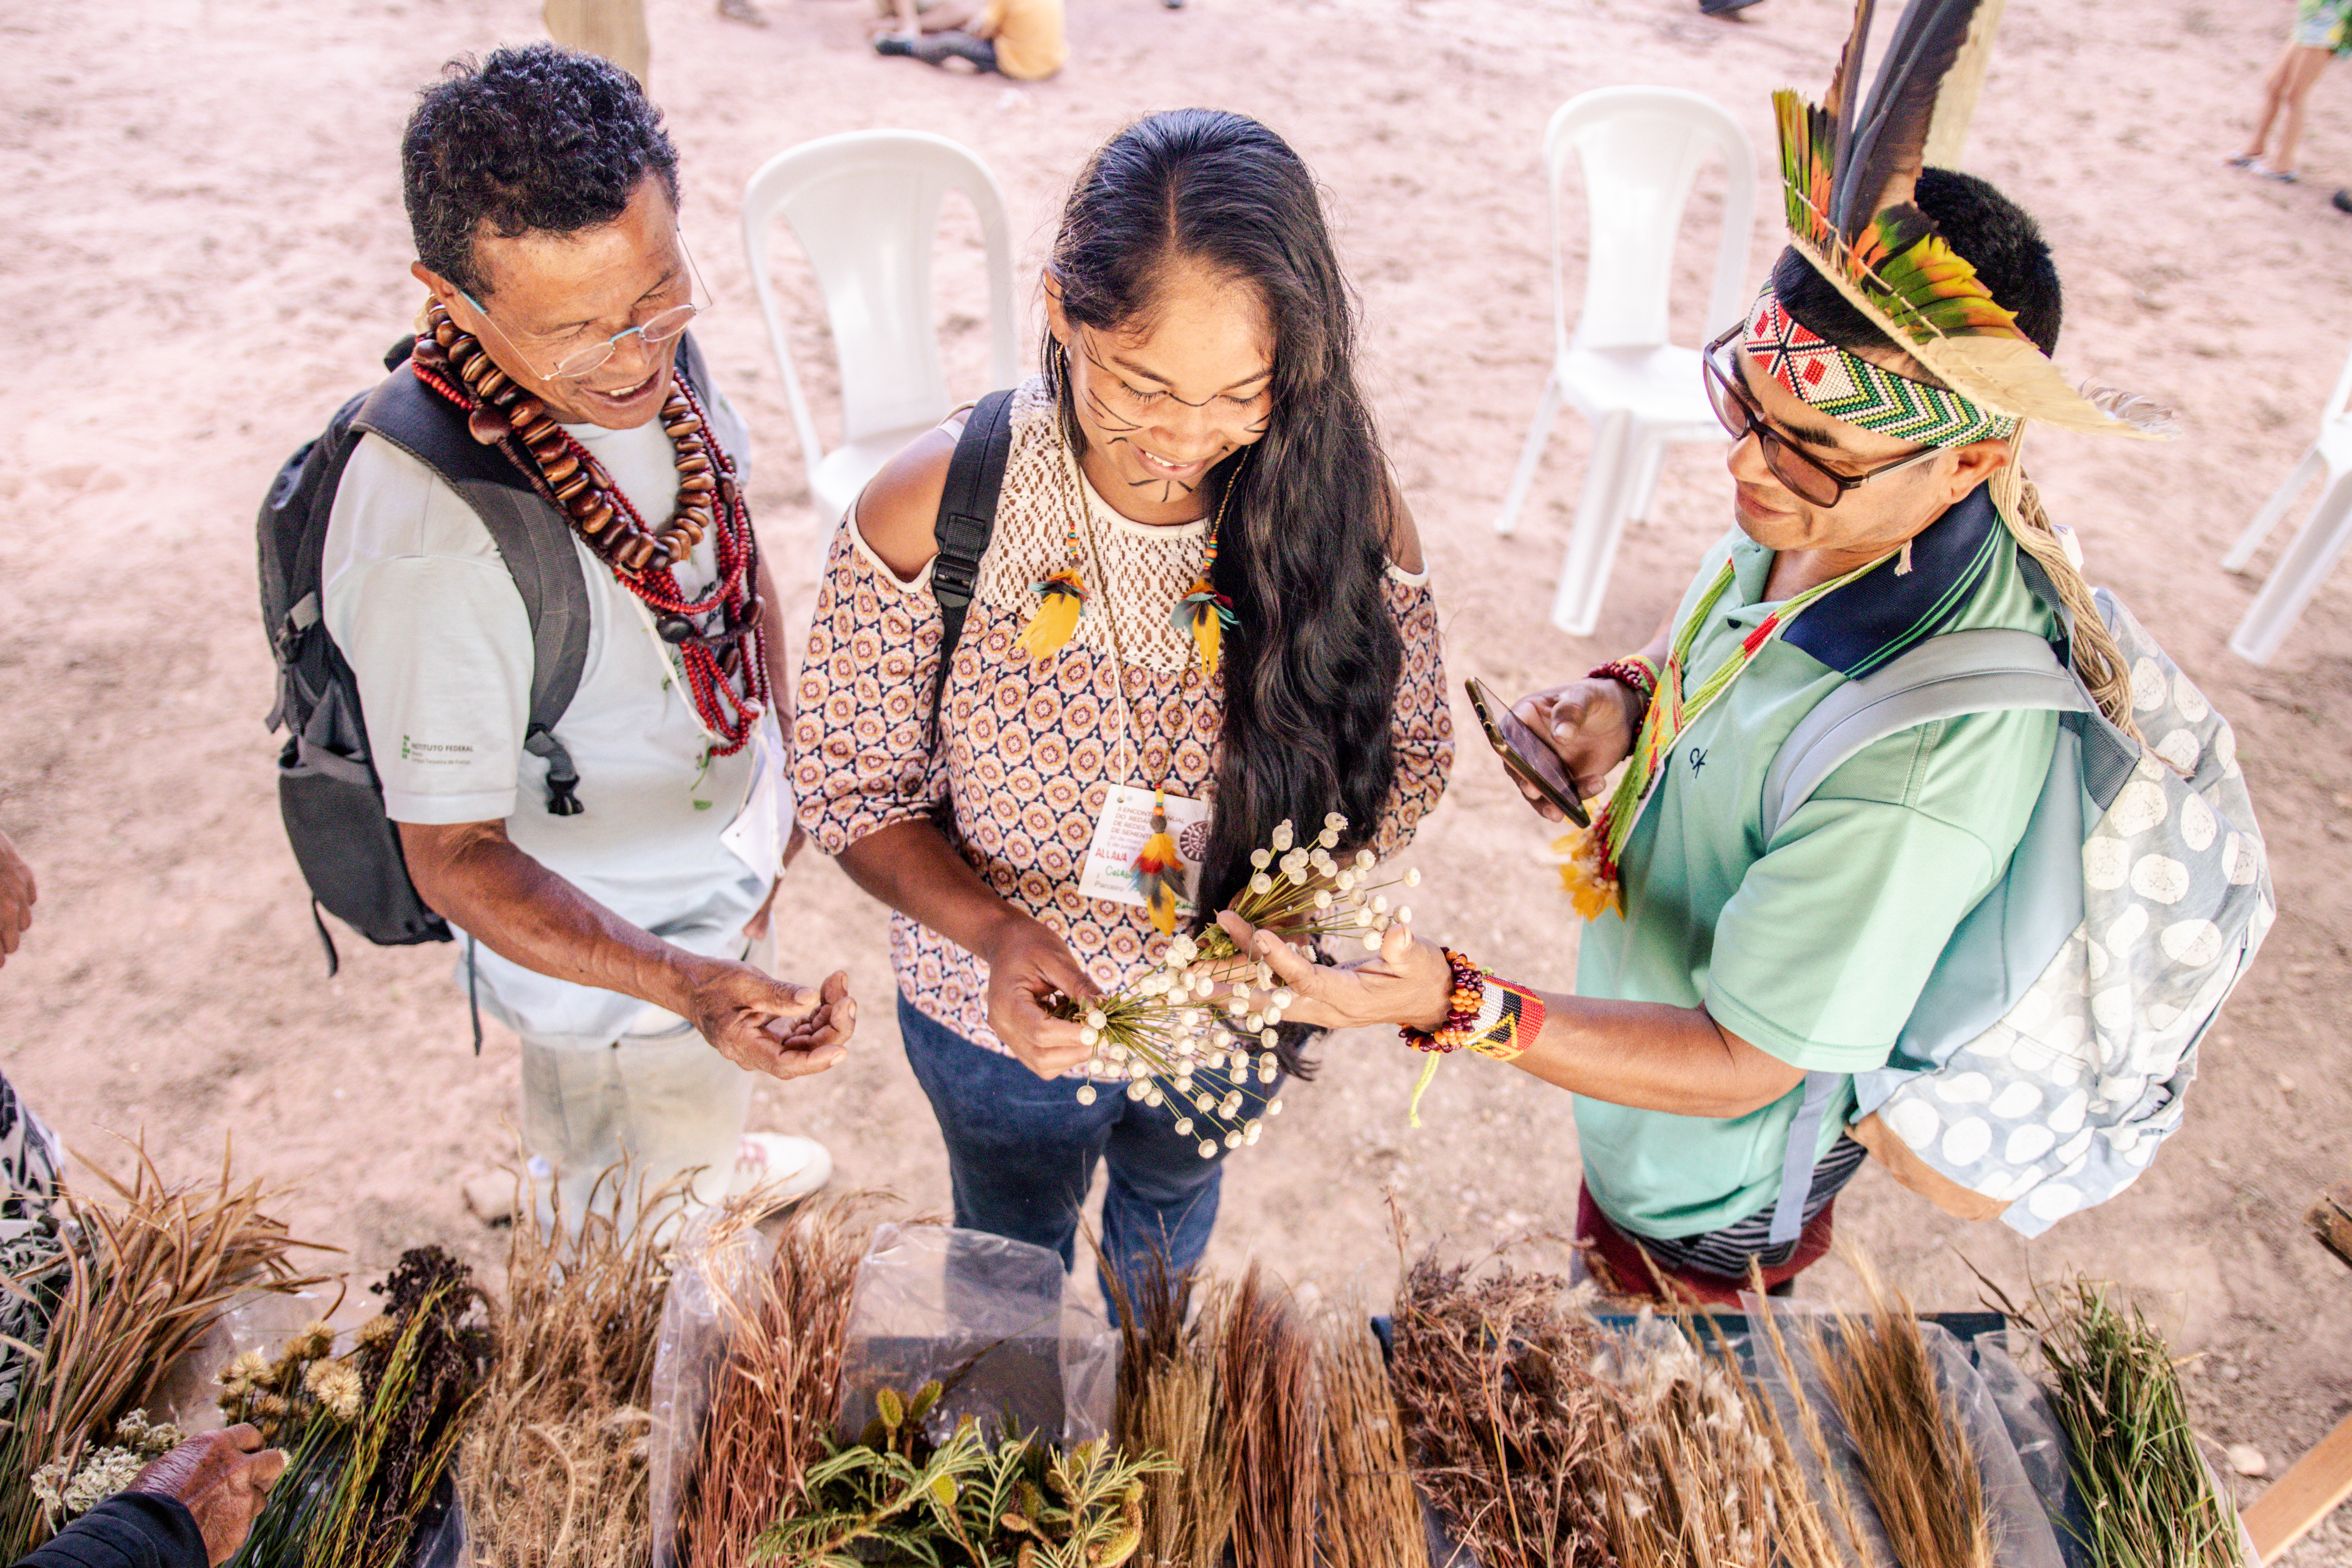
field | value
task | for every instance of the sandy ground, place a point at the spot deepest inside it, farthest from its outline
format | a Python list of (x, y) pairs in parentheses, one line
[(205, 252)]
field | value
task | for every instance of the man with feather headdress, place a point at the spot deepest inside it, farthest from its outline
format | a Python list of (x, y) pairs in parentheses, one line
[(1876, 392)]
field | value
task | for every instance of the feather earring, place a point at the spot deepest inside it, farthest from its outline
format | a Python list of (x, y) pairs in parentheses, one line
[(1203, 613), (1159, 870), (1061, 600)]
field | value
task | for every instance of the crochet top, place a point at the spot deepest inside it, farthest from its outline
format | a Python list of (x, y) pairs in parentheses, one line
[(1028, 750)]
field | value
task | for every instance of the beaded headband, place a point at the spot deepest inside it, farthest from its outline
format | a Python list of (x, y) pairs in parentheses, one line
[(1846, 386)]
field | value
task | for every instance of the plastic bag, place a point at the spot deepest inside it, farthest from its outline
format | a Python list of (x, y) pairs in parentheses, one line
[(253, 1319), (717, 1273), (2033, 1431), (988, 1318), (2022, 1534)]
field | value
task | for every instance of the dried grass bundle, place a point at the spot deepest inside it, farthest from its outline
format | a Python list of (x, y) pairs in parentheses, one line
[(424, 1364), (1371, 1516), (1265, 1401), (150, 1271), (776, 1395), (1708, 1478), (2150, 1500), (553, 1473), (1506, 1418), (1167, 1406), (1918, 1464)]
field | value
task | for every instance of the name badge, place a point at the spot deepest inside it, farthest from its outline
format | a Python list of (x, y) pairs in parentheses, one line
[(1122, 829), (759, 831)]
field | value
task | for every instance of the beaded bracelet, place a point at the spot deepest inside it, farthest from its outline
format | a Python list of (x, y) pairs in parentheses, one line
[(1493, 1016), (1518, 1017), (1467, 1000), (1632, 670)]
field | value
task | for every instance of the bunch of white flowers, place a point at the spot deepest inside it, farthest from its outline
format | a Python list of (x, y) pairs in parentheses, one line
[(1206, 1008)]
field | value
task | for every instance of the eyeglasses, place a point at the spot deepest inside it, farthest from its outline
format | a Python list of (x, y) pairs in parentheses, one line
[(1810, 479), (586, 359)]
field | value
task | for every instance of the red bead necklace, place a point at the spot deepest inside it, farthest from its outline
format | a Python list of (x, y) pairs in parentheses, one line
[(726, 667)]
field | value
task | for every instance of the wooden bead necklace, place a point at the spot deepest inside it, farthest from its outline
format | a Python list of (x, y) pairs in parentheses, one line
[(726, 669)]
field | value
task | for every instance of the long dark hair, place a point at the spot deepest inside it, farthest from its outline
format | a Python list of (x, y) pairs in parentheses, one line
[(1310, 670)]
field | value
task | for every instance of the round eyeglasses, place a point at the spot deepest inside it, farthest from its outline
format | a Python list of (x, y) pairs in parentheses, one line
[(1806, 476), (662, 328)]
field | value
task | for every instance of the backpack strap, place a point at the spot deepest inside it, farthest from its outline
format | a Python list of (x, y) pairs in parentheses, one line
[(967, 519), (533, 541), (1796, 1162), (1987, 671)]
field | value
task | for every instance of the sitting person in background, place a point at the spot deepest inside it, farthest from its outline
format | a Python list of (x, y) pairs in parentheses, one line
[(192, 1506), (1018, 38)]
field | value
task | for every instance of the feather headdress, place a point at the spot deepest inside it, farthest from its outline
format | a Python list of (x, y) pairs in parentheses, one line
[(1852, 163)]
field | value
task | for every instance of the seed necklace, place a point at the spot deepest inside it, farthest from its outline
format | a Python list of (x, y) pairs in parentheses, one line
[(726, 669)]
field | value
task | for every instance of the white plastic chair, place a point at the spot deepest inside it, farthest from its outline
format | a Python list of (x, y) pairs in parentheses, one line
[(2319, 544), (1640, 147), (865, 206)]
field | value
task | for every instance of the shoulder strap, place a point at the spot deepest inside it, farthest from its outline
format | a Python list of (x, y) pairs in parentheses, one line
[(1990, 669), (1987, 671), (531, 538), (966, 521)]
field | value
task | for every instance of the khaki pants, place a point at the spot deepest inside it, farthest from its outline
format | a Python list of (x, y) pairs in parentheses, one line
[(667, 1102), (612, 28)]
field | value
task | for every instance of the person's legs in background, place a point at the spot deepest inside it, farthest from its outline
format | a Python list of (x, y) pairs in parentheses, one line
[(2285, 91), (939, 48), (614, 29), (2307, 69), (664, 1105), (667, 1104)]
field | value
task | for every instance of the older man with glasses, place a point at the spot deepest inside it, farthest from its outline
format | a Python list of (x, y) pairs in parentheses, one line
[(613, 876)]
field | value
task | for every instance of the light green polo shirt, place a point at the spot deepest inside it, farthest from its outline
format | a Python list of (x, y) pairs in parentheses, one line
[(1813, 946)]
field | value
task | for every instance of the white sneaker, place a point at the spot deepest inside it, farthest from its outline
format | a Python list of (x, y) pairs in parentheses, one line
[(789, 1167)]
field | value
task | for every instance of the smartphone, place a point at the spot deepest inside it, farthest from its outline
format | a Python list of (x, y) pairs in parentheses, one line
[(1525, 754)]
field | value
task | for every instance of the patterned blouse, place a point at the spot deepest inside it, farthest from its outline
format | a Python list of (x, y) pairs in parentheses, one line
[(1031, 748)]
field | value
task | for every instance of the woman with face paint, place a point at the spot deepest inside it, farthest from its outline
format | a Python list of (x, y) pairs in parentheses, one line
[(1202, 602)]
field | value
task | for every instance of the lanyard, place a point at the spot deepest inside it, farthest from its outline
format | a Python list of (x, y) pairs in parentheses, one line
[(1673, 710), (1131, 743)]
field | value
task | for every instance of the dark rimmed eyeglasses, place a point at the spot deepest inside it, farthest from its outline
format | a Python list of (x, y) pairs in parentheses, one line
[(1806, 476)]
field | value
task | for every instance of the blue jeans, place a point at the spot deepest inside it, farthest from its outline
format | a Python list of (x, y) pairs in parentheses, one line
[(1022, 1152)]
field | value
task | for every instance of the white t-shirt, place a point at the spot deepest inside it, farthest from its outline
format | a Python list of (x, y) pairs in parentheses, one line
[(427, 613)]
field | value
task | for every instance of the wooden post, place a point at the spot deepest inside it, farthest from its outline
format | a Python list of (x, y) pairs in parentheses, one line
[(2322, 1478)]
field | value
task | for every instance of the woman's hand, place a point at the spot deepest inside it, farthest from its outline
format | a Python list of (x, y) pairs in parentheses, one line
[(1590, 725), (1027, 963), (1409, 983)]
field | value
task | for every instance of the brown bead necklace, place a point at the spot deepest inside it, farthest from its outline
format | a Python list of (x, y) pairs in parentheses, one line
[(721, 645)]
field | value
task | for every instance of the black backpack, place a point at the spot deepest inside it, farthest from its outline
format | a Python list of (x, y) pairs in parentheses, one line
[(328, 790), (966, 521)]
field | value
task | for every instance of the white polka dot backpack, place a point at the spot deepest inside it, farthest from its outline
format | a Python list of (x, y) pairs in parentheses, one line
[(2049, 1054)]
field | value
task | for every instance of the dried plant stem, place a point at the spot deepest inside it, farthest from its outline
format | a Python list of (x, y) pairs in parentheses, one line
[(1506, 1418), (1371, 1516), (553, 1472), (777, 1392), (1840, 1502), (1266, 1399), (1917, 1463), (151, 1270), (1166, 1406)]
